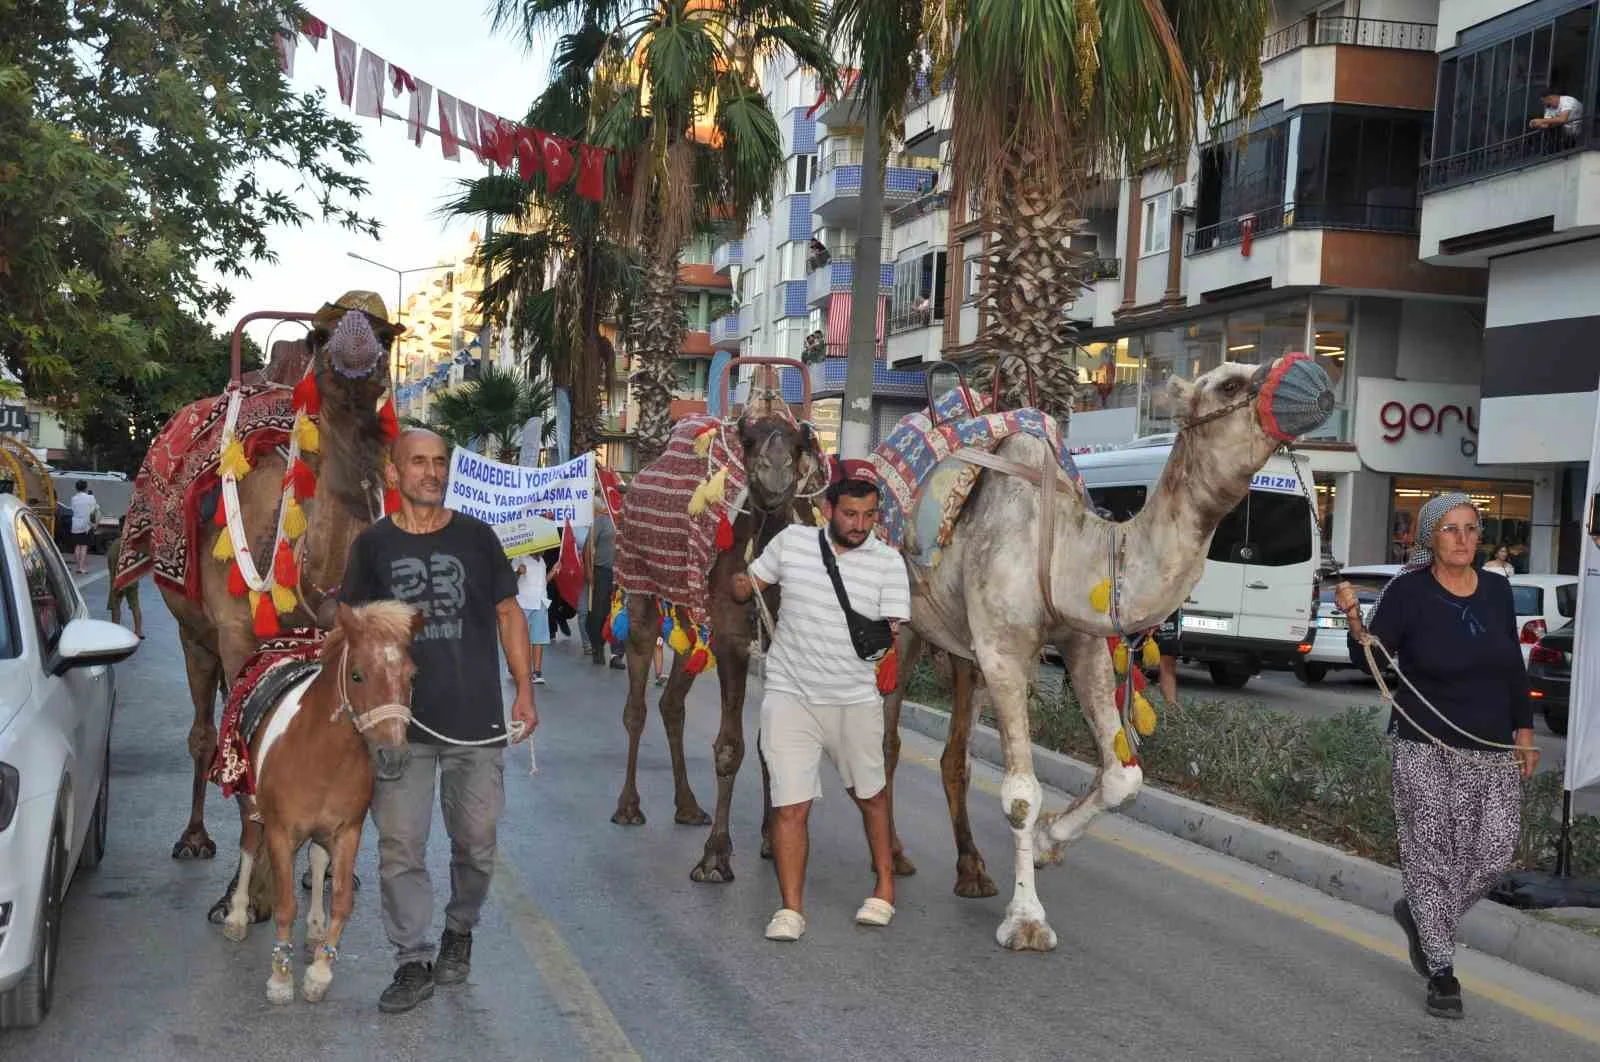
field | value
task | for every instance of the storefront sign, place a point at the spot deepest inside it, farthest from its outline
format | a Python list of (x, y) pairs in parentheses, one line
[(497, 493), (1417, 428), (13, 418)]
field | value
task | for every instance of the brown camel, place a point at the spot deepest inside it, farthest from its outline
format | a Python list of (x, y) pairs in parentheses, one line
[(216, 632), (994, 615), (780, 460)]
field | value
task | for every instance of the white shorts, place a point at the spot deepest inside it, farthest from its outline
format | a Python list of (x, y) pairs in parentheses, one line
[(794, 735)]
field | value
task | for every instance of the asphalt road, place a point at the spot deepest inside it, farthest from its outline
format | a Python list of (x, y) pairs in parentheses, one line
[(597, 945)]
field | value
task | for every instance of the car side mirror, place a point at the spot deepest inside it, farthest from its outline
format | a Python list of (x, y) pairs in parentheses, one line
[(87, 642)]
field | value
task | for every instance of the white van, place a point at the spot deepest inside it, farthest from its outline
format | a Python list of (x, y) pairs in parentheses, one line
[(1253, 606)]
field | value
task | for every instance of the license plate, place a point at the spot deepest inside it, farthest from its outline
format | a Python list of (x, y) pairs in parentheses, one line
[(1338, 623), (1204, 623)]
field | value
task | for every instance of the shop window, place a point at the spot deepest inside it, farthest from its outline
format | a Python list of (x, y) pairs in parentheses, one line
[(1504, 507), (1268, 529)]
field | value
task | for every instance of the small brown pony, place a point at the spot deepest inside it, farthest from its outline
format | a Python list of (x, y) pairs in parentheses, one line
[(320, 740)]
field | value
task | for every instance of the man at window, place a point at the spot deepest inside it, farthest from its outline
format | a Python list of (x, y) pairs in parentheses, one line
[(1560, 112)]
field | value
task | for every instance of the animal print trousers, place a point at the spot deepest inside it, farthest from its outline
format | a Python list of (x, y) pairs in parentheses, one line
[(1459, 813)]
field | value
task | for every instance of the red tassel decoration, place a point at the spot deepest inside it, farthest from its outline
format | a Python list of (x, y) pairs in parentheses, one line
[(605, 632), (220, 517), (391, 501), (889, 672), (306, 397), (302, 479), (236, 583), (724, 534), (697, 660), (1118, 695), (266, 618), (285, 572), (388, 421)]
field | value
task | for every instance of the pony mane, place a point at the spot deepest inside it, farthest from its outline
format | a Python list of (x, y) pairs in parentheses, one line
[(388, 621)]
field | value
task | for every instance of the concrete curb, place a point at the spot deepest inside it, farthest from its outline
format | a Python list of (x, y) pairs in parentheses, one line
[(1520, 938)]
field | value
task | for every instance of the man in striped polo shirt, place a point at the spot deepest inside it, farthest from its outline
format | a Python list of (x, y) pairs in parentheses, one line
[(821, 696)]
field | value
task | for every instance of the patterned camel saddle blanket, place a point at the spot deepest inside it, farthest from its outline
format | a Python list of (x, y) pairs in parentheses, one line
[(925, 486), (176, 490), (662, 549), (280, 666)]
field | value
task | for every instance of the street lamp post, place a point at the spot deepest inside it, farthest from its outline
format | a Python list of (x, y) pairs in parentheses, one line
[(399, 280)]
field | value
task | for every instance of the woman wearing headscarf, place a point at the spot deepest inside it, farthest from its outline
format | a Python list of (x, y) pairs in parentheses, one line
[(1464, 746)]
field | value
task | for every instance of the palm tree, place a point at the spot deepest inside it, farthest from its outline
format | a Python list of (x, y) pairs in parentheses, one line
[(676, 95), (554, 269), (1049, 94), (491, 412)]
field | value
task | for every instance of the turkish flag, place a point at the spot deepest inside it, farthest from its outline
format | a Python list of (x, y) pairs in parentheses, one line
[(591, 172), (558, 164), (569, 570), (610, 490), (528, 160), (1247, 232)]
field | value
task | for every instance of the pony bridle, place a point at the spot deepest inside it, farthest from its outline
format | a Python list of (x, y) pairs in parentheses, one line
[(365, 721)]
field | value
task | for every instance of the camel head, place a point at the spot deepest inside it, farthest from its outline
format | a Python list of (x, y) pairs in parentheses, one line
[(779, 455), (350, 341), (1248, 409)]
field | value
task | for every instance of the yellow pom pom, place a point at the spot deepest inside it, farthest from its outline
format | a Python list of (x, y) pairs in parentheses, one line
[(817, 517), (1119, 658), (1144, 715), (679, 641), (702, 442), (717, 487), (1150, 655), (233, 461), (283, 599), (255, 599), (305, 430), (711, 660), (294, 519), (698, 499), (1124, 753), (1100, 596), (222, 549)]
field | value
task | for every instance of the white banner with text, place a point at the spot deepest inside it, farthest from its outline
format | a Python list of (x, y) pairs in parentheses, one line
[(498, 493)]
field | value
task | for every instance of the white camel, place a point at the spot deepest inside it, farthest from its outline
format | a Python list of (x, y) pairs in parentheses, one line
[(989, 604)]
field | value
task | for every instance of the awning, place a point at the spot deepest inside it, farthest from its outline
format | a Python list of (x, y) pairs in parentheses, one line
[(839, 323)]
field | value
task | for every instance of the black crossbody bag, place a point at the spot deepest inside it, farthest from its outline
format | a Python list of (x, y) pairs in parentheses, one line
[(872, 638)]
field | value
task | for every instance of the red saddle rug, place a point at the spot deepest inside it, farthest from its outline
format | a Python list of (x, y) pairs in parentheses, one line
[(164, 520), (662, 550), (265, 677)]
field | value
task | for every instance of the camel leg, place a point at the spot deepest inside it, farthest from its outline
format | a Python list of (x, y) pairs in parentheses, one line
[(319, 975), (316, 916), (673, 710), (1093, 680), (909, 652), (1006, 671), (236, 924), (732, 648), (955, 771), (204, 669), (644, 625), (281, 850)]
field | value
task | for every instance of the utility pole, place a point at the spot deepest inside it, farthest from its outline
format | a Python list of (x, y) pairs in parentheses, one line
[(855, 430)]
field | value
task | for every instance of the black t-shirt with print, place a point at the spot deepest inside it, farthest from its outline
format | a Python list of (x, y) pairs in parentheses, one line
[(456, 576)]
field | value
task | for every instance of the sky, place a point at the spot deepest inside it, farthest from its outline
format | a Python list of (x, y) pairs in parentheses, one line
[(453, 49)]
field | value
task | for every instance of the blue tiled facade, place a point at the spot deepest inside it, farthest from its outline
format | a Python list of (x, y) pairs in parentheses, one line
[(794, 298), (847, 179), (805, 132), (906, 180), (800, 217), (727, 254), (827, 381), (841, 276)]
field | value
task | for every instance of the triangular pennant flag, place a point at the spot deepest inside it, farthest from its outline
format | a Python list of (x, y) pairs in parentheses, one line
[(285, 43), (315, 30), (449, 123), (369, 85), (400, 80), (344, 65), (468, 130), (591, 172), (417, 115), (558, 164)]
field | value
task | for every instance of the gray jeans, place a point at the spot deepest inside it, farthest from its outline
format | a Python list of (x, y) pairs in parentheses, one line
[(471, 785)]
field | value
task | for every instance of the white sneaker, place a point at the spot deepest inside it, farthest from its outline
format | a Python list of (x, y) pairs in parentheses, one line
[(538, 679), (786, 925)]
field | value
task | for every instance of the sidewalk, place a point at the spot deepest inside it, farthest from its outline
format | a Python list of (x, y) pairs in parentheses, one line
[(1515, 936)]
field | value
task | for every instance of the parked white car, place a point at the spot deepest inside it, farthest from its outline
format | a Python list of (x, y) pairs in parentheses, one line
[(1544, 603), (57, 693)]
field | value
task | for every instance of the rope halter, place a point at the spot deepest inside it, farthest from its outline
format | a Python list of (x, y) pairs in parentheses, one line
[(364, 721)]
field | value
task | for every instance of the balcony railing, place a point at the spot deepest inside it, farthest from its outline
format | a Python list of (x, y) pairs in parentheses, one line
[(1343, 29), (1358, 217), (1530, 149)]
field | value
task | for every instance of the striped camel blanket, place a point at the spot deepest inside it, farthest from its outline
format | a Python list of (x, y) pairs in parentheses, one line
[(925, 486), (662, 550)]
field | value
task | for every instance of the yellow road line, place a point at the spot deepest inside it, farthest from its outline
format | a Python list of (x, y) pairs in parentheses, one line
[(1568, 1023), (575, 995)]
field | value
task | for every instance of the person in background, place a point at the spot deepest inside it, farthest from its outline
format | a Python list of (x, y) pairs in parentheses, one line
[(598, 554), (1560, 112), (115, 597), (85, 516), (580, 536), (1500, 563), (1169, 639), (1463, 738), (533, 597)]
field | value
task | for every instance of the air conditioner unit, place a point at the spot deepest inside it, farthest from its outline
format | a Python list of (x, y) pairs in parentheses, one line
[(1183, 197)]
